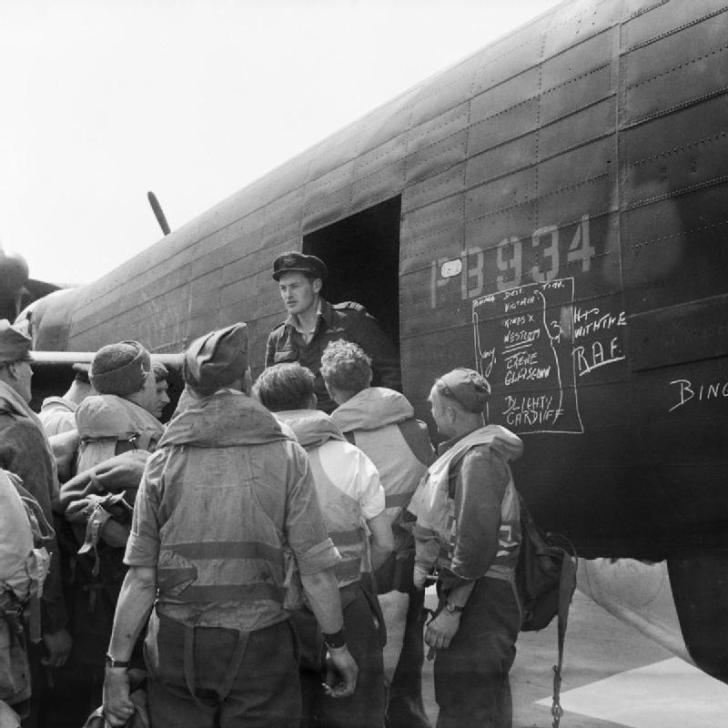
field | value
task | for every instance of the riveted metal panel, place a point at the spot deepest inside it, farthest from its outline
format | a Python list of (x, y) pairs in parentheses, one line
[(444, 92), (571, 168), (578, 93), (665, 18), (692, 45), (677, 153), (328, 197), (594, 196), (434, 187), (510, 124), (675, 250), (505, 95), (502, 160), (378, 186), (514, 223), (435, 130), (442, 215), (506, 59), (380, 157), (698, 66), (507, 192), (688, 332), (578, 129), (578, 21), (591, 53), (438, 157)]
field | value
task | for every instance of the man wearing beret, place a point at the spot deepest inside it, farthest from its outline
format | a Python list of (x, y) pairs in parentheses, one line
[(313, 322), (226, 508), (24, 450), (116, 421), (468, 528)]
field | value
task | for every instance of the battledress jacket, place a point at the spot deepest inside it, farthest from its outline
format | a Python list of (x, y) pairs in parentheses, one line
[(349, 321), (223, 500)]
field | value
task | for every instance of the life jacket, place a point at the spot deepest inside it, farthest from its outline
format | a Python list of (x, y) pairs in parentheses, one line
[(435, 508), (381, 423), (218, 542), (335, 467), (109, 425)]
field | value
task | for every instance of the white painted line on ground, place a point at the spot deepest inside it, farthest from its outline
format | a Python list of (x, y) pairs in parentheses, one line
[(666, 694)]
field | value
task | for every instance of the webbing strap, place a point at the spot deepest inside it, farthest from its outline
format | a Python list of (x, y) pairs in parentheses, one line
[(567, 584), (231, 670)]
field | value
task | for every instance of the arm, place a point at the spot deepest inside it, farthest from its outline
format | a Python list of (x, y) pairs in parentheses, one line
[(132, 611), (479, 492), (382, 539), (325, 602)]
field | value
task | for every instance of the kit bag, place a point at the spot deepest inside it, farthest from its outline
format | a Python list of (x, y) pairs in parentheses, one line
[(24, 563), (546, 581)]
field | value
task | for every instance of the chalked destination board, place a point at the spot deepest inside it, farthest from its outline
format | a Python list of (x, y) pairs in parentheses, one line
[(524, 347)]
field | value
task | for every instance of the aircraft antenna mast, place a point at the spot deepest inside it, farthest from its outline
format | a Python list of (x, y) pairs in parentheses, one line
[(157, 209)]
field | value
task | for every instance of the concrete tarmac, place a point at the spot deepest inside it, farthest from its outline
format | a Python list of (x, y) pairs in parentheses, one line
[(613, 677)]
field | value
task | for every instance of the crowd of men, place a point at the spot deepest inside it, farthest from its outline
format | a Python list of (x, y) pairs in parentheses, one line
[(229, 567)]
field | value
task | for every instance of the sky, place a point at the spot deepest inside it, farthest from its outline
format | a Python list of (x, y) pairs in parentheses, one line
[(103, 100)]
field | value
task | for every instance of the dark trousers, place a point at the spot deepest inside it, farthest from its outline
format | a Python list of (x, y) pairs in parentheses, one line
[(405, 708), (264, 689), (471, 676), (365, 708)]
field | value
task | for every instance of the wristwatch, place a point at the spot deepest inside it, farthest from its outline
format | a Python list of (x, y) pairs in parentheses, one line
[(335, 640), (451, 608), (111, 662)]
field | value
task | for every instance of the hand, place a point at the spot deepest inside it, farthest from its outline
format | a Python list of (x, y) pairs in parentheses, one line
[(118, 708), (340, 664), (419, 576), (59, 646), (441, 630), (79, 510)]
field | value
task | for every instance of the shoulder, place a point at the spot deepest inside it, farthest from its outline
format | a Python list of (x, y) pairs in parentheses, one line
[(277, 331), (349, 308), (482, 463)]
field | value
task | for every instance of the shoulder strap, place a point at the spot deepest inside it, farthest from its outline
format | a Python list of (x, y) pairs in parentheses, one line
[(567, 585)]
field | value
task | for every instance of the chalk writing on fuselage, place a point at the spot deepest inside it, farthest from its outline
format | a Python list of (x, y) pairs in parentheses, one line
[(593, 324), (545, 253), (688, 391), (523, 344)]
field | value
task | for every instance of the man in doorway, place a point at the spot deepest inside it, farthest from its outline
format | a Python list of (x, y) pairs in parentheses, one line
[(313, 322), (468, 524)]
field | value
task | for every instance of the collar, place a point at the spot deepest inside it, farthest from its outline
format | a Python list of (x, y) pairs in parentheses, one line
[(324, 311)]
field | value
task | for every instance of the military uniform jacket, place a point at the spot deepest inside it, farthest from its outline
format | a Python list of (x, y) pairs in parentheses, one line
[(349, 321)]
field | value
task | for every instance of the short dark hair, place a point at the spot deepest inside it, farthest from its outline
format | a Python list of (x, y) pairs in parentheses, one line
[(346, 366), (285, 387), (161, 373)]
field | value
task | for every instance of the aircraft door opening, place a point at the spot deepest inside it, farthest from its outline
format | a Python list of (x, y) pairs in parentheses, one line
[(362, 255)]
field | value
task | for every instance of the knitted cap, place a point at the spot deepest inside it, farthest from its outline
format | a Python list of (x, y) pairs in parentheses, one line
[(14, 344), (467, 387), (120, 369), (217, 359)]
